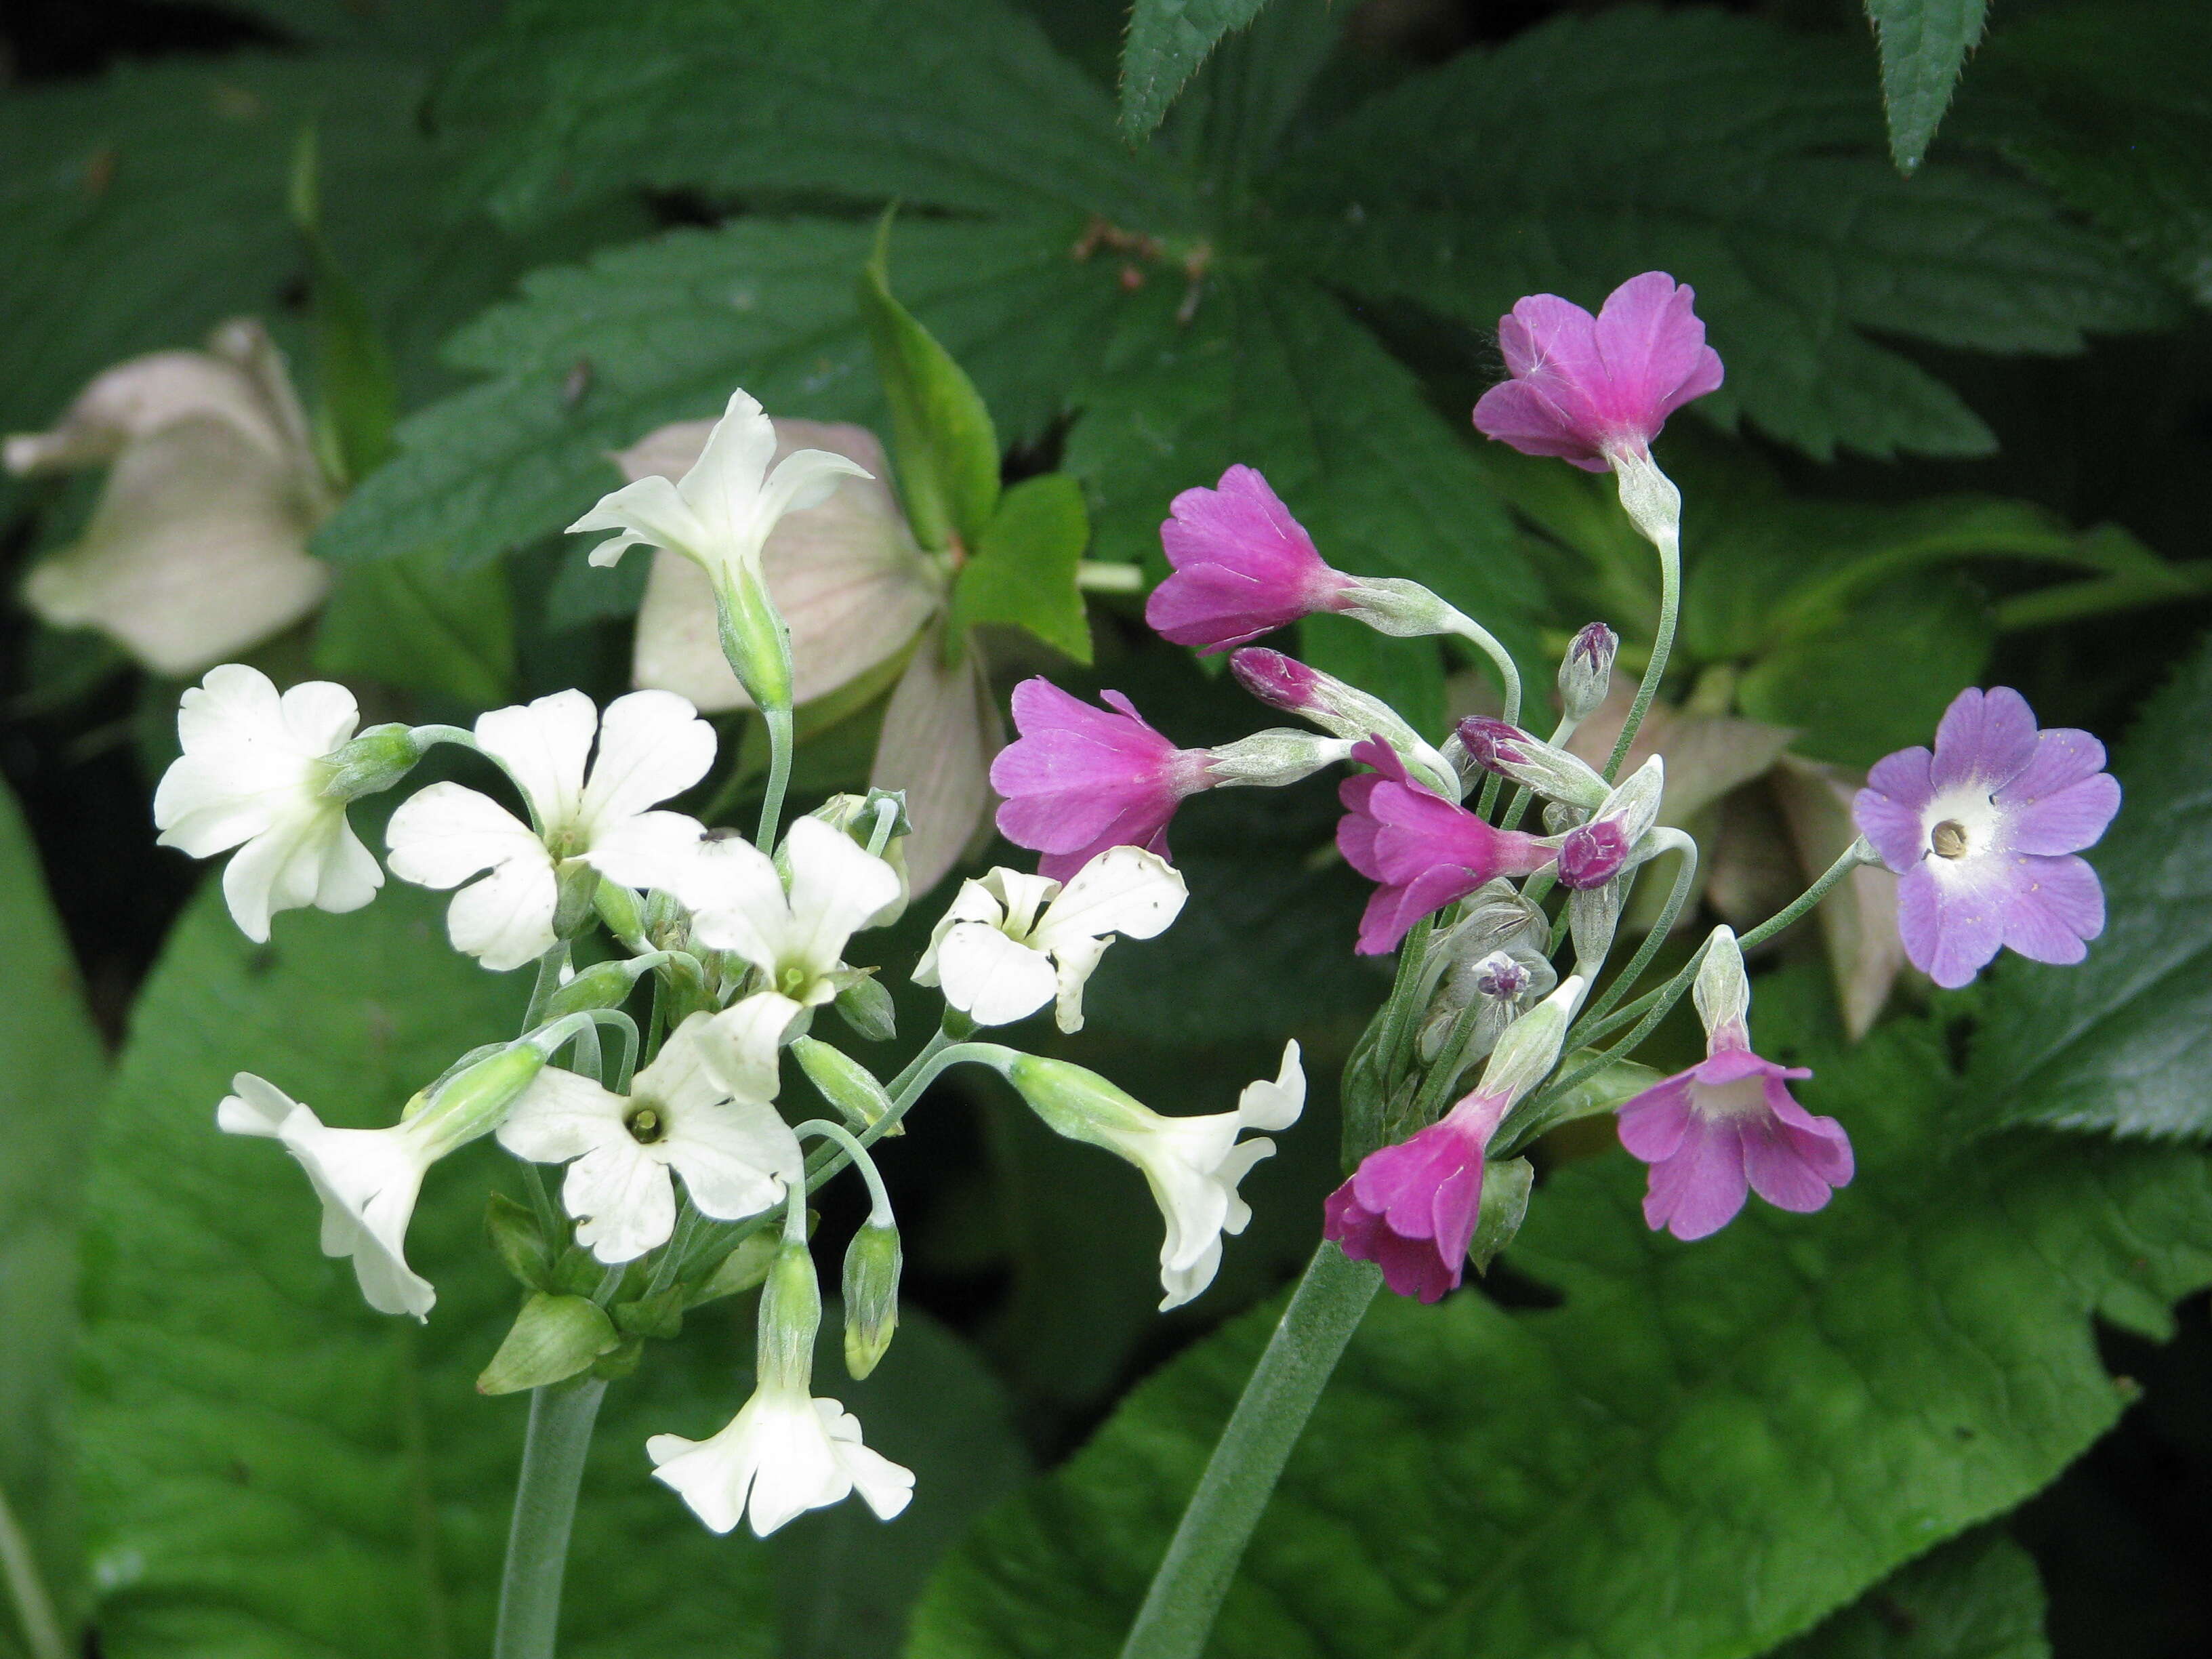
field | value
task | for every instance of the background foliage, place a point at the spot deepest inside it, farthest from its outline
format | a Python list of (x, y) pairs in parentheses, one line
[(1957, 266)]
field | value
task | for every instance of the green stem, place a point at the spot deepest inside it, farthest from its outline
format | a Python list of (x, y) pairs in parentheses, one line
[(1670, 607), (34, 1608), (1685, 872), (1187, 1592), (1508, 672), (561, 1419), (779, 775)]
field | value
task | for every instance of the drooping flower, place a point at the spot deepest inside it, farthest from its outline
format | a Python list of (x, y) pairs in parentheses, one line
[(1345, 710), (1593, 390), (1079, 780), (1243, 566), (701, 1110), (1982, 834), (1412, 1208), (1426, 851), (198, 549), (1729, 1124), (1192, 1164), (795, 936), (651, 745), (257, 773), (1011, 943)]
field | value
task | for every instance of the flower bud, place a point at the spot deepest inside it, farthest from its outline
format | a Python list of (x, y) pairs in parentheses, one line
[(1530, 1047), (1594, 852), (865, 1006), (1722, 993), (619, 910), (1270, 759), (374, 761), (553, 1337), (871, 1282), (1586, 671), (603, 985), (1339, 709), (844, 1082), (1496, 746), (790, 1317)]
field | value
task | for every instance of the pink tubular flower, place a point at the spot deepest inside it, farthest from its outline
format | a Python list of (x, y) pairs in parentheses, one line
[(1080, 779), (1411, 1209), (1588, 388), (1983, 833), (1426, 851), (1243, 566), (1726, 1124)]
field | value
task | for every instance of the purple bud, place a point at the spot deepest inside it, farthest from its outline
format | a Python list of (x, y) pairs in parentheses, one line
[(1279, 681), (1493, 744), (1592, 854), (1586, 672), (1498, 975)]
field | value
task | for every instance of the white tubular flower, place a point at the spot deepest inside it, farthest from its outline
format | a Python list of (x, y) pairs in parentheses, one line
[(651, 745), (198, 546), (782, 1454), (680, 1117), (1192, 1164), (255, 775), (1011, 943), (795, 938)]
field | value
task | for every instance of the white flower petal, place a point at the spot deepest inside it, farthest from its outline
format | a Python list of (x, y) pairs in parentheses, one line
[(506, 919), (543, 745), (320, 715), (797, 1468), (803, 479), (653, 849), (973, 902), (445, 834), (649, 511), (1187, 1283), (255, 1106), (991, 978), (735, 1159), (738, 898), (200, 809), (561, 1115), (723, 487), (1275, 1105), (1125, 889), (837, 885), (1023, 896), (1074, 960), (280, 869), (347, 873), (653, 744), (738, 1047), (367, 1180), (622, 1198), (884, 1487)]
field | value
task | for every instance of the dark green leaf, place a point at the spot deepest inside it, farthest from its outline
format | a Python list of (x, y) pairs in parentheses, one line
[(1024, 573), (1977, 1597), (1167, 40), (357, 403), (270, 1469), (424, 28), (416, 623), (52, 1074), (2123, 1042), (1546, 1483), (1925, 45)]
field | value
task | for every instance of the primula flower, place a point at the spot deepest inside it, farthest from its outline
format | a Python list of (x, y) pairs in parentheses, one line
[(1079, 780), (701, 1110), (1426, 851), (1243, 566), (1729, 1123), (1011, 943), (651, 745), (797, 937), (255, 775), (198, 547), (1981, 834), (1593, 390)]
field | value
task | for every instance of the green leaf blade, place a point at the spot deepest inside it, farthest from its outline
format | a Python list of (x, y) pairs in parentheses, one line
[(1022, 575), (1924, 45), (1168, 41)]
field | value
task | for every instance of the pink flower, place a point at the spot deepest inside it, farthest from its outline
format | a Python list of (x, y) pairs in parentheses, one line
[(1079, 780), (1983, 832), (1426, 851), (1411, 1209), (1243, 566), (1588, 388), (1726, 1124)]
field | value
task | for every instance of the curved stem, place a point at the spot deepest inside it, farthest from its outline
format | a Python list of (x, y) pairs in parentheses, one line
[(779, 775), (1186, 1593), (1670, 607), (879, 1199), (1685, 872), (561, 1419), (1508, 672)]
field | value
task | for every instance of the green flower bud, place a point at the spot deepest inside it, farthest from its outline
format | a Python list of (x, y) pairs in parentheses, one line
[(554, 1337), (1530, 1047), (619, 910), (865, 1006), (846, 1084), (872, 1281), (374, 761), (605, 985)]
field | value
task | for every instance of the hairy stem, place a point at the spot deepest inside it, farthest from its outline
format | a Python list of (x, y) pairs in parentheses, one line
[(561, 1419), (1670, 607)]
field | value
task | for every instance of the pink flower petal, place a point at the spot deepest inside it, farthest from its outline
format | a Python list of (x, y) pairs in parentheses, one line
[(1698, 1190), (1653, 1124)]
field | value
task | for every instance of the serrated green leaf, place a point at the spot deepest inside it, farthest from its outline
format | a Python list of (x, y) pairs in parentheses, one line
[(1167, 40), (1745, 159), (414, 622), (270, 1469), (1925, 45), (944, 445), (2122, 1043), (1977, 1597), (52, 1073), (1024, 572), (1544, 1483)]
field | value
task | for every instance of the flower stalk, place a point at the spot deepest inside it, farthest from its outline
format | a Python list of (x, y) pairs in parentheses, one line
[(554, 1447)]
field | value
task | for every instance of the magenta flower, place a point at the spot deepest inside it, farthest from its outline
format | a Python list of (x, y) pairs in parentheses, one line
[(1588, 388), (1426, 851), (1982, 834), (1727, 1124), (1411, 1209), (1243, 566), (1079, 780)]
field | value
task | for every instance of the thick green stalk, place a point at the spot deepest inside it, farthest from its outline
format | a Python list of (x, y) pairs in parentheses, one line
[(561, 1419), (1187, 1592)]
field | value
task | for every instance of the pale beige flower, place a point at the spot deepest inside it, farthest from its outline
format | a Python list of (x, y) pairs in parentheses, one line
[(198, 549)]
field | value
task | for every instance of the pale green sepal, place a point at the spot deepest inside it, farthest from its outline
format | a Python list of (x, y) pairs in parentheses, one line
[(844, 1083), (755, 638), (790, 1317), (553, 1337), (374, 761), (1603, 1090)]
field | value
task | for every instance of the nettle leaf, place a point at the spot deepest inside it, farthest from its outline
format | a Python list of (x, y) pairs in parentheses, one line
[(1977, 1597), (52, 1074), (1167, 40), (2123, 1042), (1023, 573), (1745, 159), (414, 622), (1925, 45), (1703, 1439), (269, 1468)]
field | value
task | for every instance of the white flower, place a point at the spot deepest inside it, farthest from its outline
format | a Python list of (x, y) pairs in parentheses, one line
[(367, 1179), (795, 938), (1011, 942), (254, 771), (694, 1112), (651, 745), (781, 1454), (719, 514), (198, 546)]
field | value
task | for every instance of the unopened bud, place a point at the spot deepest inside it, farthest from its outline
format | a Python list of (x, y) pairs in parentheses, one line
[(603, 985), (790, 1318), (871, 1285), (878, 821), (1594, 852), (1586, 671), (846, 1084), (553, 1337), (1497, 746), (1530, 1047), (1270, 759), (1341, 710), (618, 908), (866, 1007), (375, 760)]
